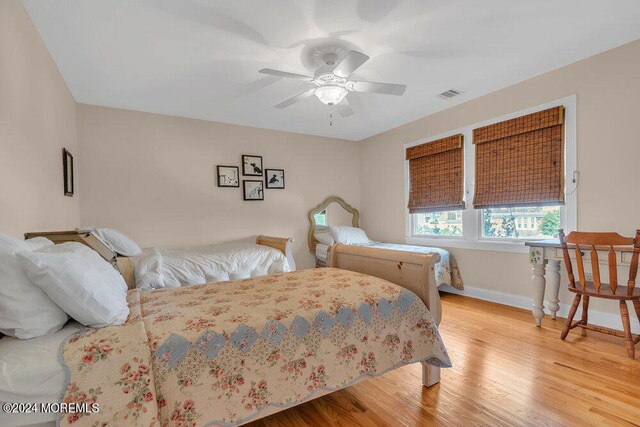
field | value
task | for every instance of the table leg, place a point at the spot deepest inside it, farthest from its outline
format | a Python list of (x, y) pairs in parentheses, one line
[(553, 279), (538, 282)]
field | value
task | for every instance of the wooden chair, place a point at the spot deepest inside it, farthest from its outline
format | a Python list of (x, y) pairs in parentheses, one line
[(584, 289)]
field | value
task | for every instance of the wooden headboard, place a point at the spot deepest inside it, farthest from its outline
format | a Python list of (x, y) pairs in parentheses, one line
[(81, 236), (123, 263)]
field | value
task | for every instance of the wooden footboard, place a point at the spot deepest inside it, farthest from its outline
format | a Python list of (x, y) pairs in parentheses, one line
[(413, 271)]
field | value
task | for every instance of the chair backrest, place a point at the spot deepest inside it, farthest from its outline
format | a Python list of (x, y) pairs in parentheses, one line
[(579, 241)]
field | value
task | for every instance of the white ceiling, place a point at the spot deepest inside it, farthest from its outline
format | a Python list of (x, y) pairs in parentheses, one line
[(200, 58)]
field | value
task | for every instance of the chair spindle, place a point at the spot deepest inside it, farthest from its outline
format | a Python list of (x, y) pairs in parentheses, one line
[(633, 268), (613, 269), (595, 268), (580, 265), (567, 259)]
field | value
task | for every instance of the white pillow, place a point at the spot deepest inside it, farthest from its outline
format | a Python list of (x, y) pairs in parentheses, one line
[(349, 235), (83, 284), (324, 236), (25, 310), (118, 242)]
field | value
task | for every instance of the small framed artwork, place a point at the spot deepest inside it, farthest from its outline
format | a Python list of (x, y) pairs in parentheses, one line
[(252, 189), (67, 170), (274, 178), (228, 176), (251, 165)]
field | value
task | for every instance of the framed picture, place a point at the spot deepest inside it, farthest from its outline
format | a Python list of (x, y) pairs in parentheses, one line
[(228, 176), (67, 170), (252, 189), (251, 165), (274, 178)]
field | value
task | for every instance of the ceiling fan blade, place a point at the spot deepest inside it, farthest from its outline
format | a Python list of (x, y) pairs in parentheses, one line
[(344, 108), (278, 73), (383, 88), (300, 97), (350, 63)]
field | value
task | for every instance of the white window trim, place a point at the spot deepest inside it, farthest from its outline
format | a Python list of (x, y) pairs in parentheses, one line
[(472, 218)]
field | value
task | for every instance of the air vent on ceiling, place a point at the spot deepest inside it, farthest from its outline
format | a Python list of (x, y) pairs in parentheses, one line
[(450, 93)]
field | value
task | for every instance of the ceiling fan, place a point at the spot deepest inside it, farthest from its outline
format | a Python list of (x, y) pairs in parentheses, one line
[(332, 82)]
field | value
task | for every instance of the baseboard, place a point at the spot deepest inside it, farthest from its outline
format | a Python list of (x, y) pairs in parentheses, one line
[(599, 318)]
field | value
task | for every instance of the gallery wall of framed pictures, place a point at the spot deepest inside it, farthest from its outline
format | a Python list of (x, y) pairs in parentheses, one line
[(257, 177)]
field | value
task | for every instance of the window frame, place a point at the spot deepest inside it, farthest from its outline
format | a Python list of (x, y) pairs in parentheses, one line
[(472, 218)]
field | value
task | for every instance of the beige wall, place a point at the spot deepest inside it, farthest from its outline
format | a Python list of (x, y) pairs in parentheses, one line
[(37, 119), (608, 148), (154, 178)]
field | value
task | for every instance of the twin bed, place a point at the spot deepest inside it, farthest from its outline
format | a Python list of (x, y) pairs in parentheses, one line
[(334, 236), (158, 267), (231, 352)]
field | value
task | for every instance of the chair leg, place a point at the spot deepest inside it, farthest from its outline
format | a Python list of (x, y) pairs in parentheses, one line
[(572, 312), (636, 305), (585, 310), (624, 313)]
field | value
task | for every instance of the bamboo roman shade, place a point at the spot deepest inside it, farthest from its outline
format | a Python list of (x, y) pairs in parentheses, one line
[(520, 162), (436, 175)]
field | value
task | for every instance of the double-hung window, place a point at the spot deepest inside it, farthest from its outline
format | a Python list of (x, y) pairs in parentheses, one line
[(495, 184)]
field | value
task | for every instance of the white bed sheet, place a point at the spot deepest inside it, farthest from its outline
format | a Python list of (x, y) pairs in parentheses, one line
[(32, 373), (322, 251), (170, 268)]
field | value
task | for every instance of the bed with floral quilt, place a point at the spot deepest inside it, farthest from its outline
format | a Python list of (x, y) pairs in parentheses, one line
[(229, 353)]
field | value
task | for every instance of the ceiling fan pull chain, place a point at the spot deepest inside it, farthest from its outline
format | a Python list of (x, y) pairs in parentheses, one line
[(330, 118)]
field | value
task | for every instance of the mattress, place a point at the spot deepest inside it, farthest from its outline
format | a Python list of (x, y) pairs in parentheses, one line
[(321, 252), (32, 373)]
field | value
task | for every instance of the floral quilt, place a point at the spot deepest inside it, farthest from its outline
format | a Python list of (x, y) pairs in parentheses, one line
[(219, 353)]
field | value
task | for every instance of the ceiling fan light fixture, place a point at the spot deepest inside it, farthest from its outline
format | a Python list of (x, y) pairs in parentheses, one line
[(331, 94)]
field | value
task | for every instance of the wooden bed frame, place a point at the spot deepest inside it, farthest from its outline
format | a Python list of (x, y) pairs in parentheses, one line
[(123, 263)]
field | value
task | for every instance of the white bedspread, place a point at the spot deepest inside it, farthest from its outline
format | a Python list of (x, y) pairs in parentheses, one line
[(171, 268)]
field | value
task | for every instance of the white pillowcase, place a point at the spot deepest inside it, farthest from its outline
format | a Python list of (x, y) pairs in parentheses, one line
[(25, 310), (324, 236), (118, 242), (83, 284), (349, 235)]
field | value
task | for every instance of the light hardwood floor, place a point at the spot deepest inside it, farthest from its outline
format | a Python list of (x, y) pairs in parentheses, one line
[(506, 372)]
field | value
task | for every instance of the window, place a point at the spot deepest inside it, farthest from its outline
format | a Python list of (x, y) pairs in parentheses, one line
[(446, 223), (538, 222), (498, 225)]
